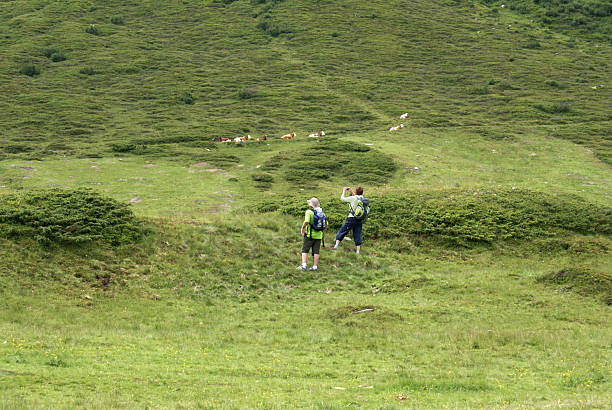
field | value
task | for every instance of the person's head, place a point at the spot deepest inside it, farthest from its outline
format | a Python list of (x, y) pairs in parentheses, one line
[(359, 190), (313, 202)]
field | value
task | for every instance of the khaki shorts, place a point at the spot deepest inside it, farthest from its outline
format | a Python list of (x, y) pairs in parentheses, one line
[(308, 243)]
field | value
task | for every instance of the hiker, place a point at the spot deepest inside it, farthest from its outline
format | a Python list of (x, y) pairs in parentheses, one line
[(358, 212), (312, 232)]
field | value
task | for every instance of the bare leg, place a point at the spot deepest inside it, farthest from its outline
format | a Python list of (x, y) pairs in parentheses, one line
[(304, 258), (358, 248), (316, 259)]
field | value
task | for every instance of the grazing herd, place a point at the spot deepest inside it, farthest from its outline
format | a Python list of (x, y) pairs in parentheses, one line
[(399, 127), (292, 135)]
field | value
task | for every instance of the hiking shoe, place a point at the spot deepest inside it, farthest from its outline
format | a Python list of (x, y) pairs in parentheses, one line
[(302, 267), (314, 268), (333, 248)]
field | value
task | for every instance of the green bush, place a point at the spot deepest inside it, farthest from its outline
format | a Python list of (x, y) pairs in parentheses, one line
[(117, 20), (67, 217), (92, 29), (247, 92), (87, 71), (473, 215), (263, 181), (30, 70), (54, 54), (17, 148), (328, 158), (187, 98), (273, 29), (557, 108), (124, 147), (583, 280)]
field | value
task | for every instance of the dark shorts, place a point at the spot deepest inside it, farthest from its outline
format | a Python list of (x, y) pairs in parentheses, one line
[(308, 243)]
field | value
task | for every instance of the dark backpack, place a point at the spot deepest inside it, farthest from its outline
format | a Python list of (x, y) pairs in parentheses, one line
[(320, 221), (362, 209)]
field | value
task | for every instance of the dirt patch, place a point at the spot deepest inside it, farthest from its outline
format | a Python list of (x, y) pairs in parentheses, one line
[(366, 315), (31, 169), (223, 208), (203, 167), (9, 373)]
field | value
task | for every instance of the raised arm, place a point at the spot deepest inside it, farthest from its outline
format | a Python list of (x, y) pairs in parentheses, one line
[(344, 198)]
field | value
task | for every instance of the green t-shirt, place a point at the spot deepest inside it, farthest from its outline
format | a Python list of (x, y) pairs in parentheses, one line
[(309, 217)]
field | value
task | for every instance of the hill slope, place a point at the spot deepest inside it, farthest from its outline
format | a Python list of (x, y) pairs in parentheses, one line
[(193, 70)]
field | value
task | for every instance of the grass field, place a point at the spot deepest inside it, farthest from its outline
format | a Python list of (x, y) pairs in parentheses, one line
[(206, 308)]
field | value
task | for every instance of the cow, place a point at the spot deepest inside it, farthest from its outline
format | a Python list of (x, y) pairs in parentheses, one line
[(262, 138), (397, 127), (317, 134), (404, 115), (223, 139), (243, 138), (288, 136)]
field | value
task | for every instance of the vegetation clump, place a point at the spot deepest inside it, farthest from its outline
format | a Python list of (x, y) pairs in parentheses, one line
[(54, 54), (187, 98), (583, 280), (587, 17), (93, 30), (263, 181), (468, 215), (333, 158), (67, 217), (87, 71), (30, 70)]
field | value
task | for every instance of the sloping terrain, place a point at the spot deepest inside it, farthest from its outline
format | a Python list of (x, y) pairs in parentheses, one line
[(145, 264), (192, 70)]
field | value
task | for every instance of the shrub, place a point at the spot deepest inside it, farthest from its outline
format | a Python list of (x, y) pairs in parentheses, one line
[(533, 44), (87, 71), (54, 54), (17, 148), (30, 70), (473, 215), (187, 98), (481, 90), (263, 181), (331, 157), (557, 108), (117, 20), (59, 56), (585, 281), (124, 147), (247, 92), (273, 29), (92, 29), (67, 217)]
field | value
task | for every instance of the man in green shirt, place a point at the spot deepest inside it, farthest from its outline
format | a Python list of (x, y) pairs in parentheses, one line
[(311, 238)]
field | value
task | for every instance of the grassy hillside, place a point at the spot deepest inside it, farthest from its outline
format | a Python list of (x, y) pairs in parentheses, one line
[(143, 264), (191, 70)]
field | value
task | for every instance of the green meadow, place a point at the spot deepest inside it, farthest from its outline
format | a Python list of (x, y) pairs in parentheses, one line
[(145, 264)]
